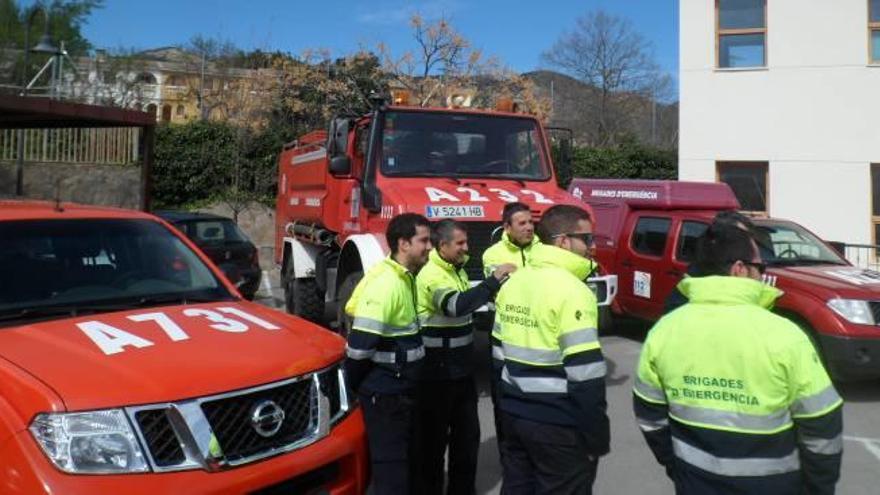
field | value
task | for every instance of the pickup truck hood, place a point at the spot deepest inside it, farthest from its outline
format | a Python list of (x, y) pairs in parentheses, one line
[(827, 281), (418, 196), (130, 359)]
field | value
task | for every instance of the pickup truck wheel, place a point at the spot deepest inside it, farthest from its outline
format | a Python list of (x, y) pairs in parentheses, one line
[(343, 320), (303, 298)]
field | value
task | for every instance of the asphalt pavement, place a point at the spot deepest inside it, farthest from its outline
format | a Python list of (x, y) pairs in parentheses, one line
[(630, 468)]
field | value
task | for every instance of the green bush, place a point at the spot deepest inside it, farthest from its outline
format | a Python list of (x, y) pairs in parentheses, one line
[(628, 161), (193, 163), (202, 162)]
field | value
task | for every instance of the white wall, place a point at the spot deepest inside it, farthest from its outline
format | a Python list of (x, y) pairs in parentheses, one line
[(808, 113)]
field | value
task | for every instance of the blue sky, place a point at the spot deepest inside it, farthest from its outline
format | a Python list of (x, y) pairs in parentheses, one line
[(515, 31)]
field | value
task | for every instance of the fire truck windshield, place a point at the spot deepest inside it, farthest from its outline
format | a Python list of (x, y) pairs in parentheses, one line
[(426, 144)]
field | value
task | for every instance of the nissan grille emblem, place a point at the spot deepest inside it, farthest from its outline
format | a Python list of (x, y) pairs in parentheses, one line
[(267, 418)]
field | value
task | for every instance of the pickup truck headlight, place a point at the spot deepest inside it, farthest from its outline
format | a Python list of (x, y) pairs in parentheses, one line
[(97, 442), (853, 310)]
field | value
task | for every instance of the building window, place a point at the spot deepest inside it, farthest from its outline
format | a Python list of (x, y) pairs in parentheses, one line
[(748, 181), (650, 235), (875, 202), (180, 112), (741, 28), (874, 30)]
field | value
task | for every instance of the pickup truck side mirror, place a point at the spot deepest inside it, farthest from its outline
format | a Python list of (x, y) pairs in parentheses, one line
[(340, 165)]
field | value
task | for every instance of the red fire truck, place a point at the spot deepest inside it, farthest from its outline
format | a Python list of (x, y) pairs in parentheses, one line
[(338, 189)]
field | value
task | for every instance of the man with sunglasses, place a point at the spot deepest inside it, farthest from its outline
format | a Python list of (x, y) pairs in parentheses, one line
[(552, 390), (730, 397)]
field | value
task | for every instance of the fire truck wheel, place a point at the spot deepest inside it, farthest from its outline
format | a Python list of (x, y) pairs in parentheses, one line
[(304, 299), (343, 321)]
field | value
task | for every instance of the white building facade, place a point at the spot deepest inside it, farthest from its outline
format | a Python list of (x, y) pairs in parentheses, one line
[(781, 100)]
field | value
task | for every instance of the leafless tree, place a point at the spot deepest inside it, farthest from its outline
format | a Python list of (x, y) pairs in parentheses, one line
[(606, 52), (444, 63)]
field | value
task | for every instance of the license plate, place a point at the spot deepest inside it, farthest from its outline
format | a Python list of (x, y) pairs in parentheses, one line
[(454, 211)]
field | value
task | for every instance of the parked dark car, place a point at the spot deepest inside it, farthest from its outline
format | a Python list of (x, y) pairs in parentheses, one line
[(227, 246)]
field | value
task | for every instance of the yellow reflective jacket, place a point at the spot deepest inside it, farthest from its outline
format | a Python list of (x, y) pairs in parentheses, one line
[(448, 337), (505, 251), (384, 346), (553, 370), (722, 376)]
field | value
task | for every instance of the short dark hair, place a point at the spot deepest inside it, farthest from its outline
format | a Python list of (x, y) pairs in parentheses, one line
[(759, 235), (444, 229), (559, 219), (733, 217), (404, 226), (512, 208), (721, 246)]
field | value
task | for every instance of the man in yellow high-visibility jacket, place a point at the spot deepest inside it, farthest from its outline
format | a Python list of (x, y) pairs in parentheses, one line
[(552, 391), (385, 352), (730, 397), (448, 396), (515, 247)]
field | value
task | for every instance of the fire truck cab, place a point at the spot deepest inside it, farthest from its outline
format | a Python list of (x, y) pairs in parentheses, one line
[(338, 190)]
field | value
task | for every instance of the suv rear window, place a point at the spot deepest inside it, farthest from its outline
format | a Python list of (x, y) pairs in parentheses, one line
[(212, 231), (687, 240), (650, 235)]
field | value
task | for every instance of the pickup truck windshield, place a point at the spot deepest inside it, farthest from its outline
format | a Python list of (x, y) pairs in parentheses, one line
[(461, 145), (67, 267), (793, 245)]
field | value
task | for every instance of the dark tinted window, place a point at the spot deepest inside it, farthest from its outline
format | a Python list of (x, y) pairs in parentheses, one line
[(650, 235), (213, 231), (74, 262), (687, 240), (461, 145), (748, 181)]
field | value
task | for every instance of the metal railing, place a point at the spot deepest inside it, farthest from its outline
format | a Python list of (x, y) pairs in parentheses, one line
[(865, 256), (105, 146)]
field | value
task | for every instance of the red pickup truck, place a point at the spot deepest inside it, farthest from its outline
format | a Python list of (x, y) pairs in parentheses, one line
[(129, 364), (647, 231)]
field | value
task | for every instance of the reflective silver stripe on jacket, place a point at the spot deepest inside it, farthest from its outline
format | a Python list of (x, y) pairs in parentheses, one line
[(453, 341), (729, 419), (387, 357), (824, 446), (723, 466), (359, 354), (538, 356), (649, 391), (577, 337), (648, 425), (536, 385), (436, 320), (816, 403), (450, 304), (497, 352), (371, 325), (439, 294), (584, 372)]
